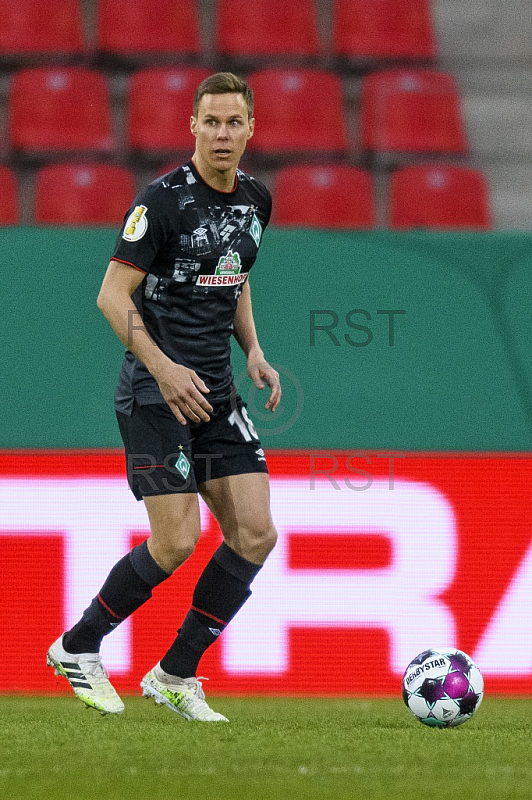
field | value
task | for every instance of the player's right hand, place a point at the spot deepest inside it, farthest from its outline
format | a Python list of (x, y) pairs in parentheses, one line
[(184, 392)]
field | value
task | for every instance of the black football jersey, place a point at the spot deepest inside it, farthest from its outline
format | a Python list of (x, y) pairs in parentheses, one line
[(196, 246)]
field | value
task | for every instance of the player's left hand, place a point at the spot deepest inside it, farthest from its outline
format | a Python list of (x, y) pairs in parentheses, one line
[(262, 373)]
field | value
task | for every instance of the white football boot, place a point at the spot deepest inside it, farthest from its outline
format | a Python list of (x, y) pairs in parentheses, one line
[(87, 677), (183, 695)]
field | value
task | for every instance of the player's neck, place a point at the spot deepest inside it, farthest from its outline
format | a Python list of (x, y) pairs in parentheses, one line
[(221, 181)]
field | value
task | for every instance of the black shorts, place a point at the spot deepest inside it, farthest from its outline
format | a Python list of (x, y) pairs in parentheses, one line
[(164, 457)]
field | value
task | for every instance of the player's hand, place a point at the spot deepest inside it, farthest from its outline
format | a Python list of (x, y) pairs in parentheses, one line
[(184, 392), (262, 373)]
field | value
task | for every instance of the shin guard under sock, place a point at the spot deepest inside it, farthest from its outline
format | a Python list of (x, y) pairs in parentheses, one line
[(221, 591), (128, 586)]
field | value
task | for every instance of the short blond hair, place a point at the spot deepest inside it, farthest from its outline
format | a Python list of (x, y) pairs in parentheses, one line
[(224, 83)]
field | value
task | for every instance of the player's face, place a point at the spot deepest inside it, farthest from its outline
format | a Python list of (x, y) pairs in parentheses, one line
[(222, 129)]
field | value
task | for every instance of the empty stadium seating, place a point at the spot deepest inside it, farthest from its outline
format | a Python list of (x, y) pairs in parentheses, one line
[(413, 111), (9, 212), (35, 27), (383, 29), (59, 109), (163, 27), (326, 196), (439, 196), (400, 124), (159, 108), (297, 111), (272, 27), (83, 194)]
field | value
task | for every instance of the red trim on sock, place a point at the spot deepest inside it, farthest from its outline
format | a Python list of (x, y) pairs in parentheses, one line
[(211, 616), (110, 610)]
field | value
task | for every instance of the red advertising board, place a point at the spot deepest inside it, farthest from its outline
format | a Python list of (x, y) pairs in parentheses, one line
[(380, 556)]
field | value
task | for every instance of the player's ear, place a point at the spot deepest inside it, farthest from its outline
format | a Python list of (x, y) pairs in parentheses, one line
[(251, 124), (193, 123)]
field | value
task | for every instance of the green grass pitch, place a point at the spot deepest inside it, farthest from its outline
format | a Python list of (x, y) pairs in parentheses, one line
[(273, 749)]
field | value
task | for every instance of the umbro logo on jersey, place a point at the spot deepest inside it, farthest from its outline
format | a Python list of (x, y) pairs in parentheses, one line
[(260, 453), (215, 631)]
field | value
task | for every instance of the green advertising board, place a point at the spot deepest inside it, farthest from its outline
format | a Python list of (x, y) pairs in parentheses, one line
[(409, 341)]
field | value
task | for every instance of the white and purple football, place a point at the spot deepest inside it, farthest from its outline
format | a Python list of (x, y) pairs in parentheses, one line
[(442, 687)]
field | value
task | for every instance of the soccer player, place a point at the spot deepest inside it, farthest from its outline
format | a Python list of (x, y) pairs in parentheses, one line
[(175, 291)]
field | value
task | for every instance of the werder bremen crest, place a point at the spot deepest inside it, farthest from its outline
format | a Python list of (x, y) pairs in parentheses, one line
[(229, 264), (183, 465)]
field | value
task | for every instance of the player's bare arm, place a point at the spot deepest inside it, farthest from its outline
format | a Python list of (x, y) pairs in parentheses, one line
[(181, 387), (259, 370)]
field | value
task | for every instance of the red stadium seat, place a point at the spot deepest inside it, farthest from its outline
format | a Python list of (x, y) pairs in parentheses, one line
[(383, 29), (439, 196), (267, 28), (159, 108), (298, 110), (35, 27), (415, 111), (334, 196), (9, 213), (59, 109), (158, 26), (83, 194)]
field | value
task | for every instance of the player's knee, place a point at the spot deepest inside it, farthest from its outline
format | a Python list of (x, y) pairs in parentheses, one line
[(175, 556), (257, 541), (182, 551), (269, 538), (170, 554)]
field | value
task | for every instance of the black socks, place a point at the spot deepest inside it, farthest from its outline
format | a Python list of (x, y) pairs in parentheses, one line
[(127, 587), (221, 591)]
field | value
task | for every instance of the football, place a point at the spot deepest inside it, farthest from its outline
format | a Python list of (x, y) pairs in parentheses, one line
[(442, 687)]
